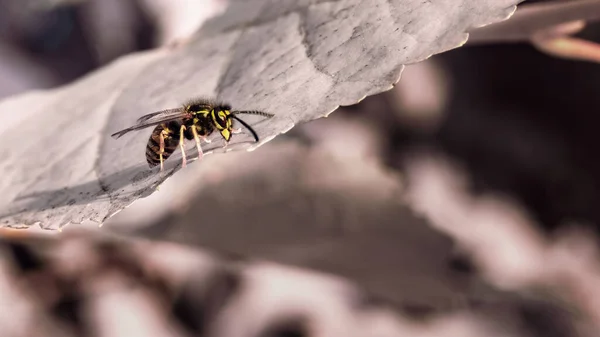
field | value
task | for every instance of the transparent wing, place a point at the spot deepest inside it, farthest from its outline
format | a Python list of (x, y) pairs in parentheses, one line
[(154, 118), (160, 114)]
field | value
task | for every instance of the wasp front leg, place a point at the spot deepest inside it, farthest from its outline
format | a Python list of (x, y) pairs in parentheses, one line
[(182, 146), (197, 139)]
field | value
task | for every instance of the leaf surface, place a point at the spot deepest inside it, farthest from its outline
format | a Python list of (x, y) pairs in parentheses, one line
[(298, 59)]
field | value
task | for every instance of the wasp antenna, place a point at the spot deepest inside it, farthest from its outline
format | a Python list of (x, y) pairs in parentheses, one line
[(247, 127), (253, 112)]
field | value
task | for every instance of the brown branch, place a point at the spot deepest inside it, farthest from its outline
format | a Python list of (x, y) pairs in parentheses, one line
[(531, 19)]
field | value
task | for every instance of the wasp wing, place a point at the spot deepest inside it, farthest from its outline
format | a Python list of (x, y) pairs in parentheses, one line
[(160, 114), (155, 119)]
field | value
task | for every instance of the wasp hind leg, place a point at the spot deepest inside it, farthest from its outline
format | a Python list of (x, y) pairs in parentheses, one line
[(182, 146), (161, 139), (197, 139)]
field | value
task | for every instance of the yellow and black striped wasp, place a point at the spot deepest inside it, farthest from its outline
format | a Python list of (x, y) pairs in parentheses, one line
[(195, 120)]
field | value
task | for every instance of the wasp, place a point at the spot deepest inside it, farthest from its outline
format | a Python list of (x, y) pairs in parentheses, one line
[(195, 120)]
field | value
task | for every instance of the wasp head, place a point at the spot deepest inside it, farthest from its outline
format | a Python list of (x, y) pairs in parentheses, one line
[(222, 119)]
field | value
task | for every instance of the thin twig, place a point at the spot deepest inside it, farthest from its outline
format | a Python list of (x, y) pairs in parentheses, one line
[(531, 19)]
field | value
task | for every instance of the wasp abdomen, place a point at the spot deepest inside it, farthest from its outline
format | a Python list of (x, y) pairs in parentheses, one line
[(171, 139)]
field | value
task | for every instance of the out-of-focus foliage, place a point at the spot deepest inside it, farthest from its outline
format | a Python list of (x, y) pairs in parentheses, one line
[(83, 285)]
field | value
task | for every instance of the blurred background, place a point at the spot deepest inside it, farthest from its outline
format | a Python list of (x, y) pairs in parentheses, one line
[(446, 191)]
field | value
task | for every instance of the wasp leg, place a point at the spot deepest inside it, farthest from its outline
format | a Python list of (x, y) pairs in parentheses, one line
[(161, 138), (197, 139), (182, 146), (236, 131), (206, 140)]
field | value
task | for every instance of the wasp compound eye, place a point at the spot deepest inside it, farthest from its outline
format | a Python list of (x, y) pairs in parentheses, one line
[(222, 120)]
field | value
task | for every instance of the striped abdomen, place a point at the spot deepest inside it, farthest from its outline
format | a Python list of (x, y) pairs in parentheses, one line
[(171, 137)]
